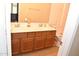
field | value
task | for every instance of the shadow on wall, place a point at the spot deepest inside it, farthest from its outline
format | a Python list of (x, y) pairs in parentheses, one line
[(74, 51)]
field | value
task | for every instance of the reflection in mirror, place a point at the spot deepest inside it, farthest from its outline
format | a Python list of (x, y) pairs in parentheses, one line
[(14, 12)]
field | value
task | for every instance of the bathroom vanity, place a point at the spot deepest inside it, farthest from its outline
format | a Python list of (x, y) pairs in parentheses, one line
[(26, 39)]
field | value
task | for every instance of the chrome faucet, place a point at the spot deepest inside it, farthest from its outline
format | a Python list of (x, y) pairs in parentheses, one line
[(28, 22)]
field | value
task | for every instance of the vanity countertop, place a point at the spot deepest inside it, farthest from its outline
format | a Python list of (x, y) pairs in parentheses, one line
[(24, 27)]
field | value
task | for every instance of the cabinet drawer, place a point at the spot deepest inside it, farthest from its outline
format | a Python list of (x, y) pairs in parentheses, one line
[(18, 35), (30, 39), (53, 33), (48, 37), (38, 34), (44, 34), (38, 38), (31, 34)]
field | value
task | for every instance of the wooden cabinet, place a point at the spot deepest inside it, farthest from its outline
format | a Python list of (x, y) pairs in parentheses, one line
[(30, 41), (21, 42)]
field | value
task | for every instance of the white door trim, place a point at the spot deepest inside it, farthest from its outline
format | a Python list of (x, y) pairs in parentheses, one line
[(69, 31), (8, 27)]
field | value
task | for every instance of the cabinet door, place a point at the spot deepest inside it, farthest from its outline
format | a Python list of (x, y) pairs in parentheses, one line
[(15, 46), (49, 42), (50, 38), (26, 44), (38, 43)]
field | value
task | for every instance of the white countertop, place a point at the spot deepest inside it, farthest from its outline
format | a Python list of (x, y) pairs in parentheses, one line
[(22, 27)]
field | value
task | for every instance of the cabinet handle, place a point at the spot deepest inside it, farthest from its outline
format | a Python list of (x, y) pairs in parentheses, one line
[(58, 40)]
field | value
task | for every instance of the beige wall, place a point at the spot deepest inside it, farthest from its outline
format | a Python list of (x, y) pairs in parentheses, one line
[(55, 14), (58, 15), (35, 12)]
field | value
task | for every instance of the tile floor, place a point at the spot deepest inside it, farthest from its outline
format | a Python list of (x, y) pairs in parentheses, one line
[(44, 52)]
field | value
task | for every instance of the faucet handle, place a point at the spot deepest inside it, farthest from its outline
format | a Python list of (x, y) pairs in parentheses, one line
[(17, 25)]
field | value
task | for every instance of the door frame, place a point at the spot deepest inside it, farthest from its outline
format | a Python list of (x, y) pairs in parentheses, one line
[(8, 27), (69, 31)]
